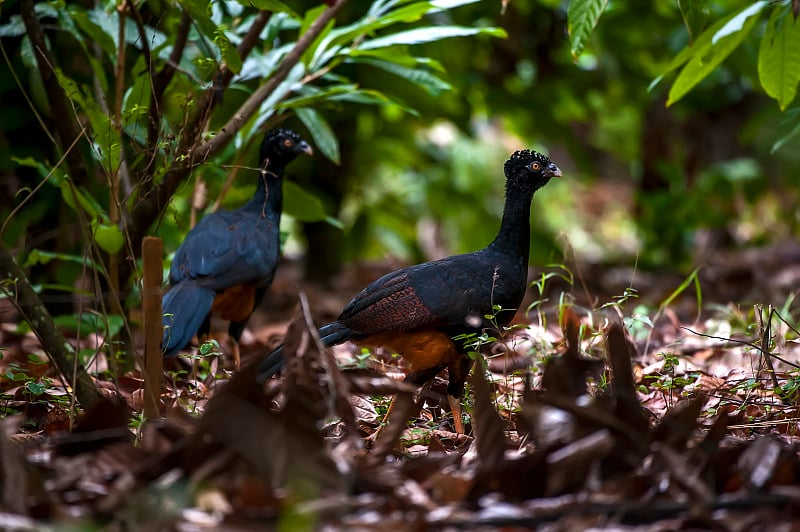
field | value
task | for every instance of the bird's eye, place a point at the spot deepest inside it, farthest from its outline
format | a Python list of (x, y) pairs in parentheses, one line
[(288, 143), (536, 167)]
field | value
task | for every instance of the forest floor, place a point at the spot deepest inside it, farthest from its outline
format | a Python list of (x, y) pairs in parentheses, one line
[(560, 433)]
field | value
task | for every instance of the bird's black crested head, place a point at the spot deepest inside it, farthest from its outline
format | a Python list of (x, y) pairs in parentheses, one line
[(531, 167), (280, 147)]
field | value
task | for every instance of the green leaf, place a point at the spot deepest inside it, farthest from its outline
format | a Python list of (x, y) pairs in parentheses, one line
[(301, 205), (30, 162), (14, 28), (67, 23), (229, 52), (712, 51), (269, 5), (372, 22), (789, 128), (423, 35), (324, 137), (106, 141), (433, 85), (311, 95), (698, 48), (200, 12), (582, 17), (695, 16), (76, 197), (738, 21), (201, 16), (38, 256), (84, 324), (36, 388), (95, 33), (779, 57), (268, 106), (108, 237)]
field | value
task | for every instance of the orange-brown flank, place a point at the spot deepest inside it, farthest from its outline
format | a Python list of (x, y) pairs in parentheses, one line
[(421, 348), (235, 303)]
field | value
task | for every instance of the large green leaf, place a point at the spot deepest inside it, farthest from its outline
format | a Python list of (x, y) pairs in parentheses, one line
[(779, 57), (423, 35), (324, 137), (423, 79), (372, 21), (698, 48), (95, 32), (712, 51), (69, 25), (311, 95), (582, 17)]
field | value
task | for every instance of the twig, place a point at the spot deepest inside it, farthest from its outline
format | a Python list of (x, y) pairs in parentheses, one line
[(64, 121), (188, 156), (251, 105), (742, 342), (766, 328), (160, 82), (648, 511), (41, 183), (21, 294)]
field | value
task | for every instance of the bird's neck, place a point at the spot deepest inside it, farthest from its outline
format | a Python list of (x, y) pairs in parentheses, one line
[(267, 201), (514, 236)]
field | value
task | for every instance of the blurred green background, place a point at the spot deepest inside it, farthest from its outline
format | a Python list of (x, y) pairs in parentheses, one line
[(420, 150)]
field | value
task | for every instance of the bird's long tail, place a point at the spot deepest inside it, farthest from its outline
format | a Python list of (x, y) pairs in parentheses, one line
[(183, 309), (330, 334)]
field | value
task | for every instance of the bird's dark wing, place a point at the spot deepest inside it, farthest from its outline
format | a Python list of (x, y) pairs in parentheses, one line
[(443, 293), (226, 249)]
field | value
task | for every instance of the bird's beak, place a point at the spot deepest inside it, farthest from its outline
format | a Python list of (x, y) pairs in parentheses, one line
[(552, 171), (305, 148)]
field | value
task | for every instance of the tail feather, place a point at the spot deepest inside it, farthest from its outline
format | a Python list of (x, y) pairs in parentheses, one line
[(333, 333), (183, 309)]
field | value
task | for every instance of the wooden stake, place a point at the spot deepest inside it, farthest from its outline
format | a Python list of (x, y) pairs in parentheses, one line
[(151, 310)]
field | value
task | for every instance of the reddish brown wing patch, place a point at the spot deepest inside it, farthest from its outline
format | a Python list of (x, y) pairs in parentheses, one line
[(397, 311), (235, 303)]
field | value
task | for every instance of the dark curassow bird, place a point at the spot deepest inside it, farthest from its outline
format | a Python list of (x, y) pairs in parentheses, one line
[(417, 311), (227, 261)]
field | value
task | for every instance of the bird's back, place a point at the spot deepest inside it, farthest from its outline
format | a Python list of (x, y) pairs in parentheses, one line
[(227, 248), (456, 293)]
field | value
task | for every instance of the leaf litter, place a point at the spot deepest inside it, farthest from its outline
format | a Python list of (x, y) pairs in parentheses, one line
[(598, 422)]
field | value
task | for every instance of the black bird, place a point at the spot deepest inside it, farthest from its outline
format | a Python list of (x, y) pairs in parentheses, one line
[(417, 311), (227, 261)]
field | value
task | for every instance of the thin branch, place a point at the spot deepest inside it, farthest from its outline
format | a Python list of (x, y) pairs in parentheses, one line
[(742, 342), (40, 185), (189, 155), (251, 105), (16, 285), (159, 86), (63, 120)]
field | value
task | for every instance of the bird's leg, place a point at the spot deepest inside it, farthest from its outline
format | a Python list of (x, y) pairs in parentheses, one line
[(235, 330), (455, 408), (457, 373), (235, 353)]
